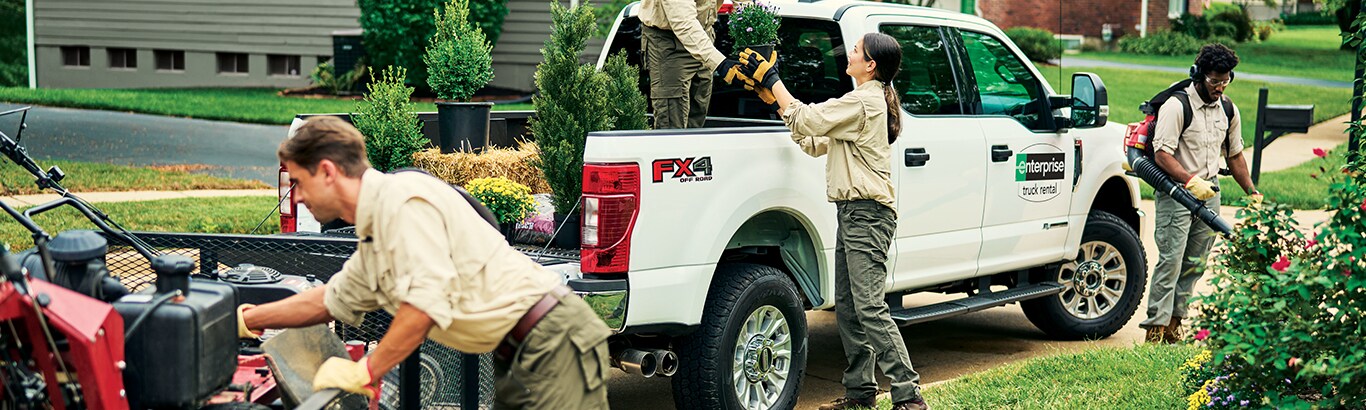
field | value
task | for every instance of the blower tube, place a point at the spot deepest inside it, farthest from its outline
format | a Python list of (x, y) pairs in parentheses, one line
[(1160, 181)]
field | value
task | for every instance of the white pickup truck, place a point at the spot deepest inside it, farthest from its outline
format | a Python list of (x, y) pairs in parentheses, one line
[(703, 248)]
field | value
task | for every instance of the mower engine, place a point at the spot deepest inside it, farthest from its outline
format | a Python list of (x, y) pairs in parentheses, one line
[(181, 341)]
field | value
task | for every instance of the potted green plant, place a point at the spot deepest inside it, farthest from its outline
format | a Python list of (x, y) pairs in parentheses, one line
[(754, 25), (509, 201), (458, 65)]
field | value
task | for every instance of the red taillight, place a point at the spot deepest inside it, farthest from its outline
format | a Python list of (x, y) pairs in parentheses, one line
[(286, 202), (611, 201)]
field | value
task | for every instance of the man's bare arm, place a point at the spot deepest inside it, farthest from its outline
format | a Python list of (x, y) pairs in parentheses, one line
[(1173, 168), (407, 331), (301, 310)]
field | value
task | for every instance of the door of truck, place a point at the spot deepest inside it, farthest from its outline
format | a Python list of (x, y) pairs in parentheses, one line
[(1030, 162), (937, 164)]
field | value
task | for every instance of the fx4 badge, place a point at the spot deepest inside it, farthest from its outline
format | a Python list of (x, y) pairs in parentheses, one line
[(683, 169)]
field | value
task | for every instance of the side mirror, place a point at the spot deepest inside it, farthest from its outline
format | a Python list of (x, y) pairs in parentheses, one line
[(1090, 102)]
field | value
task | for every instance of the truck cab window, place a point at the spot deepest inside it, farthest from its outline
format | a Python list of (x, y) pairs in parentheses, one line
[(1003, 81), (811, 64), (926, 81)]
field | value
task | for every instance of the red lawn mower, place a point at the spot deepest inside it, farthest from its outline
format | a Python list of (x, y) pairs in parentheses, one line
[(74, 337)]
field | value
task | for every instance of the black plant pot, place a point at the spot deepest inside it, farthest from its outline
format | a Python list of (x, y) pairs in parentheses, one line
[(765, 50), (568, 236), (509, 231), (462, 126)]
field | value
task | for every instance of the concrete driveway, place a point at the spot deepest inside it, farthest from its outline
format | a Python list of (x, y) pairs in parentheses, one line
[(941, 350)]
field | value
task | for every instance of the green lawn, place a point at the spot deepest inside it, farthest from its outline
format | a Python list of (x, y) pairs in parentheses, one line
[(1128, 88), (95, 177), (251, 105), (1139, 377), (1298, 51), (210, 215)]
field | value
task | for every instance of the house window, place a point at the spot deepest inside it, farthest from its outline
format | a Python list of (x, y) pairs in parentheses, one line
[(170, 60), (1176, 8), (282, 65), (232, 63), (123, 58), (76, 56)]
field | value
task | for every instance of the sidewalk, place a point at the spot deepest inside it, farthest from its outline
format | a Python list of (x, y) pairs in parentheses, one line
[(130, 196)]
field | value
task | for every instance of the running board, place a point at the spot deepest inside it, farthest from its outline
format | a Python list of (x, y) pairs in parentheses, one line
[(906, 317)]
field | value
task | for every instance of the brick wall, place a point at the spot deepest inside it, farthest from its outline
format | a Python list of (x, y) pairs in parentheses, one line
[(1085, 17)]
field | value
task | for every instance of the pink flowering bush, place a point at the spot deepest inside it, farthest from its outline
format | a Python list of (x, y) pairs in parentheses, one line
[(1284, 323)]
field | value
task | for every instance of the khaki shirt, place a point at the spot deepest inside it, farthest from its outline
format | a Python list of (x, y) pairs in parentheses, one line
[(852, 129), (1200, 149), (690, 21), (423, 245)]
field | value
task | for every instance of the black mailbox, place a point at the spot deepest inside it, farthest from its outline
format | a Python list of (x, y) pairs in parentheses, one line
[(1288, 118)]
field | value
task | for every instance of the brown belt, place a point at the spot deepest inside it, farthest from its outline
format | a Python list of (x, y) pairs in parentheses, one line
[(517, 335)]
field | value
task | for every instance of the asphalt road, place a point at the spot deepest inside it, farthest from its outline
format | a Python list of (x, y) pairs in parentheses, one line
[(230, 149), (940, 350)]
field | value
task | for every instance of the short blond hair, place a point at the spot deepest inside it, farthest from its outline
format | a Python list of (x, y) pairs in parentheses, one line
[(330, 138)]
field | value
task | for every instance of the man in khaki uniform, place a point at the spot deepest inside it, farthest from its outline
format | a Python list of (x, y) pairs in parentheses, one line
[(1192, 155), (426, 256), (677, 40)]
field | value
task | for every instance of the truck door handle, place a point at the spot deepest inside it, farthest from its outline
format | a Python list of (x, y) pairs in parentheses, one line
[(916, 157), (1001, 153)]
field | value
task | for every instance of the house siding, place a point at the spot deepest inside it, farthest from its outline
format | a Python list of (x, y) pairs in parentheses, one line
[(202, 28)]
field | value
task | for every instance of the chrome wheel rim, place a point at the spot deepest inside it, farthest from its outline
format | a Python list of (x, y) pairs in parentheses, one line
[(1094, 283), (762, 359)]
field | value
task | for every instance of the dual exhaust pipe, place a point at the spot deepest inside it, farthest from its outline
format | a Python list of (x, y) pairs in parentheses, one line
[(647, 363)]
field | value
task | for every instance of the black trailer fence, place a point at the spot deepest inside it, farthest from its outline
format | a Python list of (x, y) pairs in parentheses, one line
[(449, 379)]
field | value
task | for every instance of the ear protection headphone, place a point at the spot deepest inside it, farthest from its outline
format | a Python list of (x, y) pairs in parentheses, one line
[(1198, 75)]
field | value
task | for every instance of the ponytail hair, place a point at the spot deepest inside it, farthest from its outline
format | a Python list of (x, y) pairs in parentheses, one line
[(886, 52), (893, 112)]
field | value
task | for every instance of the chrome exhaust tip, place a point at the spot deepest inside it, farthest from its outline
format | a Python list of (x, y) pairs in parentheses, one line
[(637, 362), (668, 362)]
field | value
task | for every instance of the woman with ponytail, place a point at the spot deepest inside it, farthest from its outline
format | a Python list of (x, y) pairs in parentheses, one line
[(855, 132)]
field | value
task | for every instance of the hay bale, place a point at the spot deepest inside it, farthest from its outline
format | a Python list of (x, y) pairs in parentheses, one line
[(461, 167)]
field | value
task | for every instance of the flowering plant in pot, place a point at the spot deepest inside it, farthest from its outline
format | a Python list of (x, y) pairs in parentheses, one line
[(509, 201), (754, 25), (459, 64)]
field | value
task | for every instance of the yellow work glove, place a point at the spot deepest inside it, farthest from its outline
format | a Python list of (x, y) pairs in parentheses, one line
[(1254, 200), (349, 376), (1201, 188), (759, 67), (242, 331), (731, 69), (764, 94)]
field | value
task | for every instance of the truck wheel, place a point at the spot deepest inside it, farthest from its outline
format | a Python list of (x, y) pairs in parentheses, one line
[(1102, 287), (750, 351)]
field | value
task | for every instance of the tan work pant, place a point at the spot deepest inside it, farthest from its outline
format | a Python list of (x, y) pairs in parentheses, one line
[(680, 86), (562, 364), (1182, 240)]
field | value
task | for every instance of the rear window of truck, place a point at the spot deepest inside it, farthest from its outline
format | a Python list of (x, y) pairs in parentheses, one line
[(811, 63)]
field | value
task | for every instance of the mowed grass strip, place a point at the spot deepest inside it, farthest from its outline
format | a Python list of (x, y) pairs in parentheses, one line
[(96, 177), (1139, 377), (201, 215), (249, 105)]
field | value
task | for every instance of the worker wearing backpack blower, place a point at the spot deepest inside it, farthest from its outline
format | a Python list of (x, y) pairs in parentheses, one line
[(1195, 126)]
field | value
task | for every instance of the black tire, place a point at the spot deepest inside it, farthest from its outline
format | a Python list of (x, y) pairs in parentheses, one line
[(704, 377), (1052, 316)]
